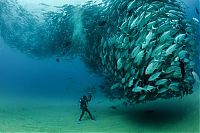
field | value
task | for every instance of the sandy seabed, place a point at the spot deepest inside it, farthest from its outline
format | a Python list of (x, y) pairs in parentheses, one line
[(163, 116)]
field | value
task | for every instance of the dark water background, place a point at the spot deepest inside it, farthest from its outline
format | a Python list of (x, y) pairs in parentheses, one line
[(26, 77), (22, 76)]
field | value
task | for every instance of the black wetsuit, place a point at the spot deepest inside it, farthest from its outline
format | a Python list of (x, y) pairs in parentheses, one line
[(182, 66), (83, 107)]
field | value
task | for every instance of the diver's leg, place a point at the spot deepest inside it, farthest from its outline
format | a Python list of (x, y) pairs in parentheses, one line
[(89, 114), (83, 112)]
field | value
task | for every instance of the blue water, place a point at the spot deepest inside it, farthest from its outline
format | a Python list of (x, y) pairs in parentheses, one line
[(24, 76)]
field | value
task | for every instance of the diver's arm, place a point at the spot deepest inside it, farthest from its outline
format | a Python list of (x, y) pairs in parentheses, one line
[(89, 98)]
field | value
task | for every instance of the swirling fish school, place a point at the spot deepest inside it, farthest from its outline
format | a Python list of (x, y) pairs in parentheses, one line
[(143, 53)]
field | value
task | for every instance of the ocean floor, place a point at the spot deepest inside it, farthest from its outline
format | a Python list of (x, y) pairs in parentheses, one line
[(164, 116)]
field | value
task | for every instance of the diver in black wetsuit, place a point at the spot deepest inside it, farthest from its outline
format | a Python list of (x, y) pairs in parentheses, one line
[(83, 106), (182, 66)]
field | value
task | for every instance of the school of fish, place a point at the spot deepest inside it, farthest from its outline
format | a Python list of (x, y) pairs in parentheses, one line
[(143, 46)]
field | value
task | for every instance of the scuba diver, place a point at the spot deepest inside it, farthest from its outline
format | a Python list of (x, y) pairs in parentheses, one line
[(182, 66), (83, 106)]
